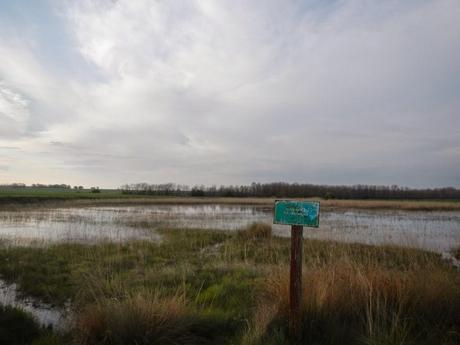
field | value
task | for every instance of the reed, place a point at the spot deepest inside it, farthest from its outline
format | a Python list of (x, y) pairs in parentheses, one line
[(145, 319), (348, 303)]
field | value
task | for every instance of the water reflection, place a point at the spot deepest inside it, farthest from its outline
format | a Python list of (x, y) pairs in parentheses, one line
[(438, 231), (46, 315)]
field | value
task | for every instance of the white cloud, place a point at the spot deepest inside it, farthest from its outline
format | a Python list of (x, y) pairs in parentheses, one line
[(235, 91), (14, 113)]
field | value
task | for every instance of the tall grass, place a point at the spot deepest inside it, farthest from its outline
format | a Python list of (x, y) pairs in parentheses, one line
[(146, 319), (211, 287), (348, 303), (256, 231), (17, 326)]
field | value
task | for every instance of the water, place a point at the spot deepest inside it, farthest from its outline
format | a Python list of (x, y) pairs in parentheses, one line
[(435, 231), (46, 315), (78, 225)]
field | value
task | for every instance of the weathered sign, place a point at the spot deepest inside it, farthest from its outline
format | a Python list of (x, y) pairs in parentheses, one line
[(290, 212)]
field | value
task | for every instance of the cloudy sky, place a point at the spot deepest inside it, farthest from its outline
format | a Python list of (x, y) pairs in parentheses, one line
[(108, 92)]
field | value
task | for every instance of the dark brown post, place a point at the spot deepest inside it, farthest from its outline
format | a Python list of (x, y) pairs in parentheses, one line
[(296, 281)]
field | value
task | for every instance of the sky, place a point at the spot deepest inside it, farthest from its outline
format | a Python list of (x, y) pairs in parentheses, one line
[(108, 92)]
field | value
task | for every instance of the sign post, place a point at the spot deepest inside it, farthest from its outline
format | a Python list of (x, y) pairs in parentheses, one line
[(297, 214)]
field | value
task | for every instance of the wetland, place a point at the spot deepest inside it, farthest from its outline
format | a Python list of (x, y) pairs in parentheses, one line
[(217, 272)]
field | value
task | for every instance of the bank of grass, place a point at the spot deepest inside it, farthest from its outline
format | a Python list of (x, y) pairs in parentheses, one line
[(40, 197), (209, 287), (403, 205), (18, 327), (18, 199)]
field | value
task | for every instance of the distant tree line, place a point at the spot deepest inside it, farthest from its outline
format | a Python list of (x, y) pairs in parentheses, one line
[(293, 190), (40, 185), (156, 189), (55, 186), (13, 185), (36, 185)]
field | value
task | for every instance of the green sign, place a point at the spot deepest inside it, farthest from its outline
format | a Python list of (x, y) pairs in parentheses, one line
[(304, 213)]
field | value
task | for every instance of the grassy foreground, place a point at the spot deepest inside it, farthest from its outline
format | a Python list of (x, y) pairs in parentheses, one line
[(211, 287)]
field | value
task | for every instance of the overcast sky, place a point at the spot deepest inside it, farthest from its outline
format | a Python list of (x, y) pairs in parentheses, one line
[(224, 92)]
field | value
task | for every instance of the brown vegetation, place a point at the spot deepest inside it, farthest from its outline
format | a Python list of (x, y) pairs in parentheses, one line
[(349, 303), (256, 231), (143, 319)]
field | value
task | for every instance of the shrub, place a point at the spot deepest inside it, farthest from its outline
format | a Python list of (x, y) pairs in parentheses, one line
[(328, 196)]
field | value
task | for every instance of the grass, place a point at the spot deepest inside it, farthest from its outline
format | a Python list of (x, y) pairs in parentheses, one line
[(456, 253), (39, 195), (211, 287), (20, 328), (16, 326), (147, 319), (406, 205), (256, 231), (12, 198), (352, 304)]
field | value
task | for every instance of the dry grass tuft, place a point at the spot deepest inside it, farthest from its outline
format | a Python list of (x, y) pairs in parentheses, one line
[(142, 319), (256, 231), (345, 303)]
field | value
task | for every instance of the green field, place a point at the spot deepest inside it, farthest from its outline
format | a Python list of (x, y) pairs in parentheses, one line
[(57, 193)]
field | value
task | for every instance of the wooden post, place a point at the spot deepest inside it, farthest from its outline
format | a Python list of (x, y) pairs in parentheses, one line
[(295, 301), (300, 213)]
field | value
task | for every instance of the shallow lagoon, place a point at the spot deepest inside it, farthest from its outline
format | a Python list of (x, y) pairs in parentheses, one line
[(436, 231)]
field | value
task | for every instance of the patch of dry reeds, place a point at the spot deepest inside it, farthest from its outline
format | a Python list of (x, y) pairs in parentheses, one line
[(143, 319), (256, 231), (347, 303)]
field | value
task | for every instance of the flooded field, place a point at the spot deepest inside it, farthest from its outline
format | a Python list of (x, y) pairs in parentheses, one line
[(436, 231)]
